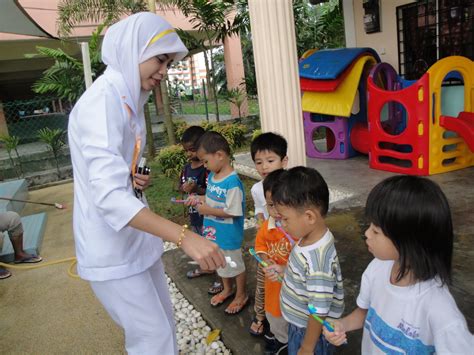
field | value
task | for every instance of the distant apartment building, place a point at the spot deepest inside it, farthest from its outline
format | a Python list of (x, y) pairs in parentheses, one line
[(189, 73)]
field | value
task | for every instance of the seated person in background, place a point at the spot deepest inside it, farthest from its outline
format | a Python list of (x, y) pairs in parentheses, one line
[(10, 222)]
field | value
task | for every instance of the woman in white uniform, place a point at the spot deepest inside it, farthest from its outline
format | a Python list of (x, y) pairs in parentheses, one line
[(119, 241)]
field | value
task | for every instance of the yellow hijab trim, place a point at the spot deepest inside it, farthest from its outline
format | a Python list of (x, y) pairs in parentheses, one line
[(160, 35)]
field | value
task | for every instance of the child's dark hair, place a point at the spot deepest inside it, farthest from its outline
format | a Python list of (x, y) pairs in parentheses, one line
[(272, 180), (302, 187), (414, 214), (211, 142), (269, 141), (192, 135)]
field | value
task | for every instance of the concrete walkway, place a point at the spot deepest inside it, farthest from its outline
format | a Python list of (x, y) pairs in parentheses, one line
[(44, 311)]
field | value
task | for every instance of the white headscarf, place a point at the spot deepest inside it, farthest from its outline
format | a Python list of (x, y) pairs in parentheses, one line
[(134, 40)]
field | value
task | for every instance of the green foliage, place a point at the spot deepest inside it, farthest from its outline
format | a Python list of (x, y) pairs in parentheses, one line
[(73, 12), (172, 160), (237, 97), (256, 133), (11, 144), (179, 128), (55, 139), (233, 133), (65, 78)]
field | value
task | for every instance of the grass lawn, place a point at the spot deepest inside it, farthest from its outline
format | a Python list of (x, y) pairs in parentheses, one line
[(162, 189), (224, 107)]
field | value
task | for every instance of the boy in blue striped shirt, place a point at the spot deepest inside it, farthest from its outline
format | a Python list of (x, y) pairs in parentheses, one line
[(223, 209), (313, 274)]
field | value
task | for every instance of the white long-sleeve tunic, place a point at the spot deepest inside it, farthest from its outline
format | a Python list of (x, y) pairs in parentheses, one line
[(102, 135)]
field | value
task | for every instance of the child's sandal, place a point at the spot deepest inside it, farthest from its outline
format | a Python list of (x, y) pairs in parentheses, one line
[(260, 327)]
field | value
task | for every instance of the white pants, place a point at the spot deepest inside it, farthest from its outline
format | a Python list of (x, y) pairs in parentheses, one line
[(141, 305)]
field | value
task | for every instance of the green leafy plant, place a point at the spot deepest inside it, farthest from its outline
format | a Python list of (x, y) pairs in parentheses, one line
[(11, 144), (65, 78), (256, 133), (236, 96), (172, 160), (55, 139)]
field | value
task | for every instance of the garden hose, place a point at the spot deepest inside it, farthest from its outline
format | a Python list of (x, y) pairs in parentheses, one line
[(70, 271)]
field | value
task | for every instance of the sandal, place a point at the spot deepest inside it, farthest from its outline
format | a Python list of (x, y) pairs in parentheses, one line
[(260, 327), (236, 307), (191, 274), (220, 299), (4, 274), (30, 259), (215, 288)]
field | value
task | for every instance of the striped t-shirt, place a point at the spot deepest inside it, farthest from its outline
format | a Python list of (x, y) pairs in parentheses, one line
[(313, 276)]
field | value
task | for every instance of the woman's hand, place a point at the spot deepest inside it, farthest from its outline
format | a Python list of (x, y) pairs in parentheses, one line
[(273, 271), (206, 253), (141, 181), (337, 337)]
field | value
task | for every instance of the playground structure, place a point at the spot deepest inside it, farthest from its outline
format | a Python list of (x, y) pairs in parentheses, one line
[(421, 127)]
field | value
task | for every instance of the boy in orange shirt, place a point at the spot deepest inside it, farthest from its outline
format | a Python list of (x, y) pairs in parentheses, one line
[(273, 246)]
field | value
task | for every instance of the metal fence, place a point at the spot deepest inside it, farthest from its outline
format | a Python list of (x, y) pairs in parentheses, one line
[(25, 118)]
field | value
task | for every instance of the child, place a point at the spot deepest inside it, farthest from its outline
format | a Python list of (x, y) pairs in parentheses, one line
[(313, 275), (268, 152), (404, 302), (194, 175), (274, 248), (223, 209), (193, 180)]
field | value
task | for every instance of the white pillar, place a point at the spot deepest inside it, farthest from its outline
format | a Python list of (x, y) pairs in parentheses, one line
[(276, 66), (349, 26), (86, 62)]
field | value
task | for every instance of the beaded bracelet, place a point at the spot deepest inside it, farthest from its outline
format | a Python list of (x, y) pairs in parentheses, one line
[(181, 236)]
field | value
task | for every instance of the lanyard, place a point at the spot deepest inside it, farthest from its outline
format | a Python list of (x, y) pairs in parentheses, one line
[(138, 144)]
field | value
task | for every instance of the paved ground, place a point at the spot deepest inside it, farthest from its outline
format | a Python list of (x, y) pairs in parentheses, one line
[(45, 311)]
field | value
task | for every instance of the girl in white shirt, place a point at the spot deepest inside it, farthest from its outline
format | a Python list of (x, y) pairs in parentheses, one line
[(119, 241), (404, 302)]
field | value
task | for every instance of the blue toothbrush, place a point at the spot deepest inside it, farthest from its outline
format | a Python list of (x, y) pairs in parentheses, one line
[(325, 323), (312, 311), (261, 261)]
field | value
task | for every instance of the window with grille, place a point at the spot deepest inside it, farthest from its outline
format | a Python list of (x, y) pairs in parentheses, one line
[(429, 30)]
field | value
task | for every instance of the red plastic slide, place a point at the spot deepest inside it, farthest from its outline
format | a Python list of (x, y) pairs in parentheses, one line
[(462, 125)]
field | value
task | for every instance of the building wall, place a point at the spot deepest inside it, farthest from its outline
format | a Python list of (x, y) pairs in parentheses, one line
[(385, 41)]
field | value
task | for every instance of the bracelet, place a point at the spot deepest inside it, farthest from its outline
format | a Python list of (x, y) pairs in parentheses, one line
[(181, 236)]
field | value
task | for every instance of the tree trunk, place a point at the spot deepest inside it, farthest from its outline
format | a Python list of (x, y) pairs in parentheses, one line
[(214, 89), (208, 76), (149, 133), (167, 110)]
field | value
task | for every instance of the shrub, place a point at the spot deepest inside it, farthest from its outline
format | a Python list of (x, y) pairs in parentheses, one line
[(256, 133), (172, 160), (179, 128)]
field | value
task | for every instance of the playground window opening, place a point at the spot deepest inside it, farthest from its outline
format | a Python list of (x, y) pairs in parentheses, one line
[(430, 30)]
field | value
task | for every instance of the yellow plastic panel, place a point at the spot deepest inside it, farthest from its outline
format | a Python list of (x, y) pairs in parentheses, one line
[(340, 101)]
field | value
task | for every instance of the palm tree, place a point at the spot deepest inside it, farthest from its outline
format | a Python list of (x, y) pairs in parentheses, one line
[(65, 78), (55, 139), (11, 143), (213, 21), (73, 12)]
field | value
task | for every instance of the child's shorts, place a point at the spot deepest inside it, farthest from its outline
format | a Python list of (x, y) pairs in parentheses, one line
[(227, 271)]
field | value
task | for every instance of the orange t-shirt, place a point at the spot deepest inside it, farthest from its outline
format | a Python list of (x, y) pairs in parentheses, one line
[(271, 241)]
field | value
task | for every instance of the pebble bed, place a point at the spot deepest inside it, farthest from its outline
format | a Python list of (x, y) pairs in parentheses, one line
[(191, 329)]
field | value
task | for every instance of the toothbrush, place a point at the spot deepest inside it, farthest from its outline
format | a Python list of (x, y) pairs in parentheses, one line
[(261, 261), (174, 200), (280, 228), (312, 311), (325, 323)]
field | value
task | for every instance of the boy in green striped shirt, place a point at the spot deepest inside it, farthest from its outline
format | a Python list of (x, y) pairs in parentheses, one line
[(313, 275)]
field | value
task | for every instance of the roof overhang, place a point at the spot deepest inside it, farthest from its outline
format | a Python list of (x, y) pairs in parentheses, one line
[(14, 19)]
